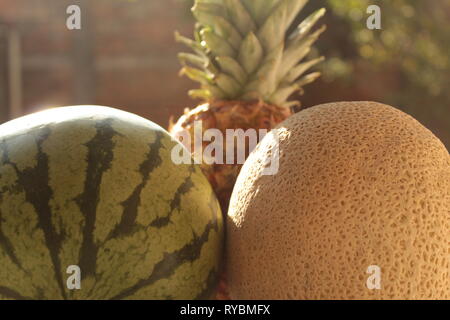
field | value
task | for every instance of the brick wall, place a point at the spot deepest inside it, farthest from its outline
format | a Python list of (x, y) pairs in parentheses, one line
[(124, 56)]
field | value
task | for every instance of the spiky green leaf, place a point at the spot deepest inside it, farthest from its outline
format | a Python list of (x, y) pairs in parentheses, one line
[(274, 29), (197, 75), (212, 8), (232, 68), (195, 46), (216, 92), (306, 25), (297, 51), (283, 93), (251, 53), (265, 80), (228, 85), (203, 94), (240, 17), (219, 25), (192, 59), (242, 51), (300, 69), (260, 9), (309, 78), (216, 2), (216, 44)]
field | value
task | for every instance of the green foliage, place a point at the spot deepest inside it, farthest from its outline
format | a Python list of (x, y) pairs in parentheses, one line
[(415, 36), (406, 63), (242, 50)]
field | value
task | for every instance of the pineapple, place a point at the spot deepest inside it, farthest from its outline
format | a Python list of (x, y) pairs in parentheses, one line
[(248, 67)]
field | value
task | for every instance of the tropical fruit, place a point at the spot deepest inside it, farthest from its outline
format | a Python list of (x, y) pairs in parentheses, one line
[(359, 209), (93, 191), (248, 64)]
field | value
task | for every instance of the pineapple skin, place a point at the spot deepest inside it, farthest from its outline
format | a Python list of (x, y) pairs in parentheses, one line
[(223, 115), (248, 64)]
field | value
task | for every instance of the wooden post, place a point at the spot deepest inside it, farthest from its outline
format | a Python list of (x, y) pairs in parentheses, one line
[(83, 58), (14, 74), (4, 104)]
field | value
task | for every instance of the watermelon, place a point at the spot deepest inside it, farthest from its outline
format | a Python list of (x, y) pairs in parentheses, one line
[(93, 207)]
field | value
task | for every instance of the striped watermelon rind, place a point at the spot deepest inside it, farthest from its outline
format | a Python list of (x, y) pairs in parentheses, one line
[(96, 187)]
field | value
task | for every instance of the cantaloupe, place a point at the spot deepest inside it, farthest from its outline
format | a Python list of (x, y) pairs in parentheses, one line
[(360, 184)]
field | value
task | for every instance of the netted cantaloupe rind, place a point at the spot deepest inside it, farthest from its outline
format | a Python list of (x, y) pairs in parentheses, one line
[(360, 184)]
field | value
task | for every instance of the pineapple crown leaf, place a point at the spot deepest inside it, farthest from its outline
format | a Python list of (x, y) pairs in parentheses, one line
[(308, 79), (200, 94), (232, 67), (307, 24), (197, 75), (266, 77), (216, 44), (300, 69), (297, 51), (260, 9), (240, 17), (284, 93), (274, 29), (251, 53), (242, 50), (228, 84), (194, 45), (216, 92), (193, 59), (218, 24)]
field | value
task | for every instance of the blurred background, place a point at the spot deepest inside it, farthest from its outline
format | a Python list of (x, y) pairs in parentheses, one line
[(124, 56)]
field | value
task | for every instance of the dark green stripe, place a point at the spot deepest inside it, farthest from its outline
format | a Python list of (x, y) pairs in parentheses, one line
[(211, 285), (131, 205), (4, 241), (35, 182), (7, 246), (99, 159), (11, 294), (4, 159), (170, 262), (212, 280), (184, 188), (215, 209)]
